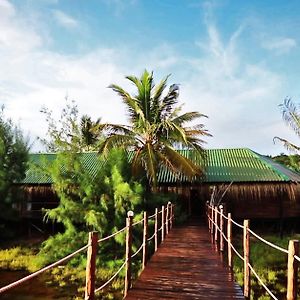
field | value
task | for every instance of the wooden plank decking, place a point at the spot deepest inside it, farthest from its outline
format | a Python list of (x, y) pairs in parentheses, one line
[(186, 266)]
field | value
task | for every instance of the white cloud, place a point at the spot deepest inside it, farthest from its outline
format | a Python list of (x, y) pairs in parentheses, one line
[(240, 97), (15, 37), (65, 20), (279, 45)]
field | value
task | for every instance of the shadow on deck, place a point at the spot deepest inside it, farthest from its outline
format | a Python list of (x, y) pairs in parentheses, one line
[(186, 266)]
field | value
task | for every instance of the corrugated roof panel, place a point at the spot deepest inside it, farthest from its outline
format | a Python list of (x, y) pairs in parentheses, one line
[(220, 165)]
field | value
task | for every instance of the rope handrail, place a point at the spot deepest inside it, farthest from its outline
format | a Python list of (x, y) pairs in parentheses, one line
[(236, 252), (30, 276), (214, 227), (111, 279), (150, 238), (256, 235), (262, 283), (267, 242), (237, 224), (93, 243), (224, 216), (152, 216), (137, 252), (297, 258), (112, 235), (224, 236), (138, 222)]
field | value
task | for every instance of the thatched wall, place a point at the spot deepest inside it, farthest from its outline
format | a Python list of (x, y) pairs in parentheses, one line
[(246, 200), (37, 197), (243, 200)]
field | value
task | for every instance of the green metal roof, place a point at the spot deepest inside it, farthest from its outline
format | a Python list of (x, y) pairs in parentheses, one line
[(220, 165), (35, 175)]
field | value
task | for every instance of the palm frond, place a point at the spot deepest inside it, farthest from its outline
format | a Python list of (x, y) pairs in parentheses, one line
[(168, 102), (116, 141), (137, 162), (289, 146), (188, 117), (151, 163), (291, 115), (181, 163)]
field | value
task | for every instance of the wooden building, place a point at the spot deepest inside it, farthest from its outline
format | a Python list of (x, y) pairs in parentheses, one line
[(251, 185)]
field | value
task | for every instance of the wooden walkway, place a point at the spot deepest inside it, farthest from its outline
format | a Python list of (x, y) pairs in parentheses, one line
[(186, 266)]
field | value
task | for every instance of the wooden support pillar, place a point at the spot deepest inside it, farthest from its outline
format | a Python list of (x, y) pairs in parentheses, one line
[(145, 238), (129, 222), (216, 225), (155, 230), (221, 229), (246, 243), (212, 219), (208, 213), (172, 215), (229, 238), (91, 266), (163, 223), (292, 270), (167, 219)]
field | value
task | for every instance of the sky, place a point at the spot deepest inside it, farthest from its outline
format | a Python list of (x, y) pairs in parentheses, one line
[(235, 61)]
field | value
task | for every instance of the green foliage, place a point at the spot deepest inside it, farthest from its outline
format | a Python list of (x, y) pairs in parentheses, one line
[(13, 163), (70, 131), (291, 161), (88, 203), (18, 258), (13, 157), (269, 264)]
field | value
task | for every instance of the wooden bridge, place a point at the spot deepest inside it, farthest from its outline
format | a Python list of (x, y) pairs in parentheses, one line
[(191, 262), (186, 266)]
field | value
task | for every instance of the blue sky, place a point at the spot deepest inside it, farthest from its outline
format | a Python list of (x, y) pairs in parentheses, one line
[(235, 61)]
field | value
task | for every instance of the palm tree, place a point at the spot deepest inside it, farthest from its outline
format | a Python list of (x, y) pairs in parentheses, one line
[(291, 116), (156, 129), (89, 132)]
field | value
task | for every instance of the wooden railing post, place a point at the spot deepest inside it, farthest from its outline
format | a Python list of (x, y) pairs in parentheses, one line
[(145, 238), (246, 243), (172, 216), (292, 270), (221, 229), (216, 226), (208, 214), (91, 266), (129, 220), (155, 230), (229, 238), (167, 219), (212, 225), (162, 223)]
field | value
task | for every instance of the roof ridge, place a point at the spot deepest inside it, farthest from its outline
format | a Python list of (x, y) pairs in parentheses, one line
[(264, 159)]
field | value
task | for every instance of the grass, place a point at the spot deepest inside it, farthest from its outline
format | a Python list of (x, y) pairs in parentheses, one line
[(270, 264), (68, 280)]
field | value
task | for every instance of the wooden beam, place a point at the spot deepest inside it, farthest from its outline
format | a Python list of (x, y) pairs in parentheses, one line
[(91, 266), (292, 270)]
